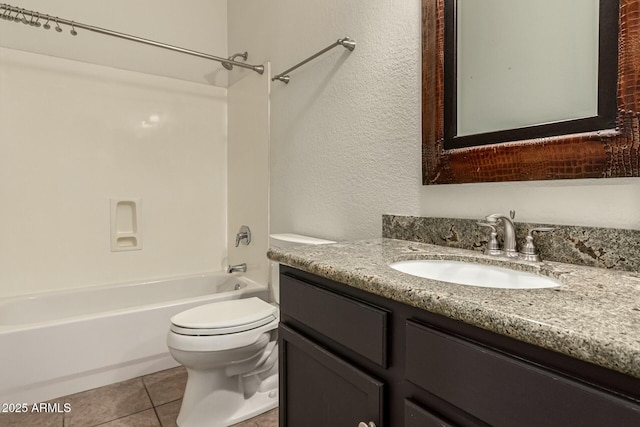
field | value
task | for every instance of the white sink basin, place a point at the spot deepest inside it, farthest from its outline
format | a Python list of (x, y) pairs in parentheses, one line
[(467, 273)]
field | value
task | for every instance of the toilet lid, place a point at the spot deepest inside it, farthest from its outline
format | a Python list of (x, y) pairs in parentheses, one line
[(224, 317)]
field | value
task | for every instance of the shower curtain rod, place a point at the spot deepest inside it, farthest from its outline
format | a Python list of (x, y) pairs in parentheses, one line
[(36, 17), (346, 42)]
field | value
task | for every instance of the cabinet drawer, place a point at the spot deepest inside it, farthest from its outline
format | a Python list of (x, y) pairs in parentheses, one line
[(417, 416), (355, 325), (502, 390)]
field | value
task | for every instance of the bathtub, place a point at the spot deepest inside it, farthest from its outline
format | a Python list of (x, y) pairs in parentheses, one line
[(58, 343)]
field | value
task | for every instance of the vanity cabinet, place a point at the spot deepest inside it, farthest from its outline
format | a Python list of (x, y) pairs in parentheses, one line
[(323, 389), (349, 358)]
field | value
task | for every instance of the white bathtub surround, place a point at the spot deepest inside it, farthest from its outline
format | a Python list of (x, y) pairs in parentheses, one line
[(75, 135), (248, 172), (60, 343)]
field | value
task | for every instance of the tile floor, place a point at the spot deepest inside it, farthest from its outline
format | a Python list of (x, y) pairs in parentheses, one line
[(149, 401)]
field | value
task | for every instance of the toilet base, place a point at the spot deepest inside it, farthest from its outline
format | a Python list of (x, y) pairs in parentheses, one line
[(257, 404), (263, 400)]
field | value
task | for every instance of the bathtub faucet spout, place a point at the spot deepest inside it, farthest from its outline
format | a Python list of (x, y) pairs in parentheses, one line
[(238, 268)]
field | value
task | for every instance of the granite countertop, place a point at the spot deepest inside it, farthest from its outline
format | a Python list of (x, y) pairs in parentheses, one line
[(593, 316)]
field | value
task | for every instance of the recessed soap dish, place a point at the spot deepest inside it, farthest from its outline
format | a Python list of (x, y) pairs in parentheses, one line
[(125, 225)]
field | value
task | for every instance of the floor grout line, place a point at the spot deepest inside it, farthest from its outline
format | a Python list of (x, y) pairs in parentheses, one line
[(144, 384), (124, 416), (155, 411), (153, 405)]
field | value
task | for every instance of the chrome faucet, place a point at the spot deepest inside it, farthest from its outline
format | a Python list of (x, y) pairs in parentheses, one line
[(528, 252), (244, 236), (509, 247), (238, 268)]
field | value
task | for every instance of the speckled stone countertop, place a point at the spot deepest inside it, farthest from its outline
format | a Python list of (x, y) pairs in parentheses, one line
[(593, 316)]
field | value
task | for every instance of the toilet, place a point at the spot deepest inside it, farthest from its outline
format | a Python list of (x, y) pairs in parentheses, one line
[(229, 349), (285, 240)]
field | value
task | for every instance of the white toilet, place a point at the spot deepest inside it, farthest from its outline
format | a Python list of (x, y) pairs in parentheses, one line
[(229, 349), (285, 240)]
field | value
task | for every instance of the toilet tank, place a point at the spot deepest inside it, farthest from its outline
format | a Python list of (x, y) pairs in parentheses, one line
[(285, 240)]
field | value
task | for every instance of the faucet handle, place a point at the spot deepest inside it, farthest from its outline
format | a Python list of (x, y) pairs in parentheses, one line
[(493, 248), (529, 252), (244, 236)]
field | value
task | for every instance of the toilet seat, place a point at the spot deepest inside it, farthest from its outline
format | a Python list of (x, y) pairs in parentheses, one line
[(224, 317)]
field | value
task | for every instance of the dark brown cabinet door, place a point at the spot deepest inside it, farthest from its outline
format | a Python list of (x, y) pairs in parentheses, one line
[(318, 389), (417, 416), (505, 391)]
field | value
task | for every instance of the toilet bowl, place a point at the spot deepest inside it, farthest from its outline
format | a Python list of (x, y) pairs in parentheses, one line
[(229, 350)]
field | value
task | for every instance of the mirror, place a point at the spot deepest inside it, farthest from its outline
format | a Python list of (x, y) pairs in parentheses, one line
[(530, 67), (519, 90), (521, 63)]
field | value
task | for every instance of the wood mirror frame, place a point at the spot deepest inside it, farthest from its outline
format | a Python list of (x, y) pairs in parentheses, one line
[(599, 154)]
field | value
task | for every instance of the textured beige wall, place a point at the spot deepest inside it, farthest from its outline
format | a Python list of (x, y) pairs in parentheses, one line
[(346, 131)]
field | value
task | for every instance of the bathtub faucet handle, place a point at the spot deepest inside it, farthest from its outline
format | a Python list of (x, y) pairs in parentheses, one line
[(244, 236)]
